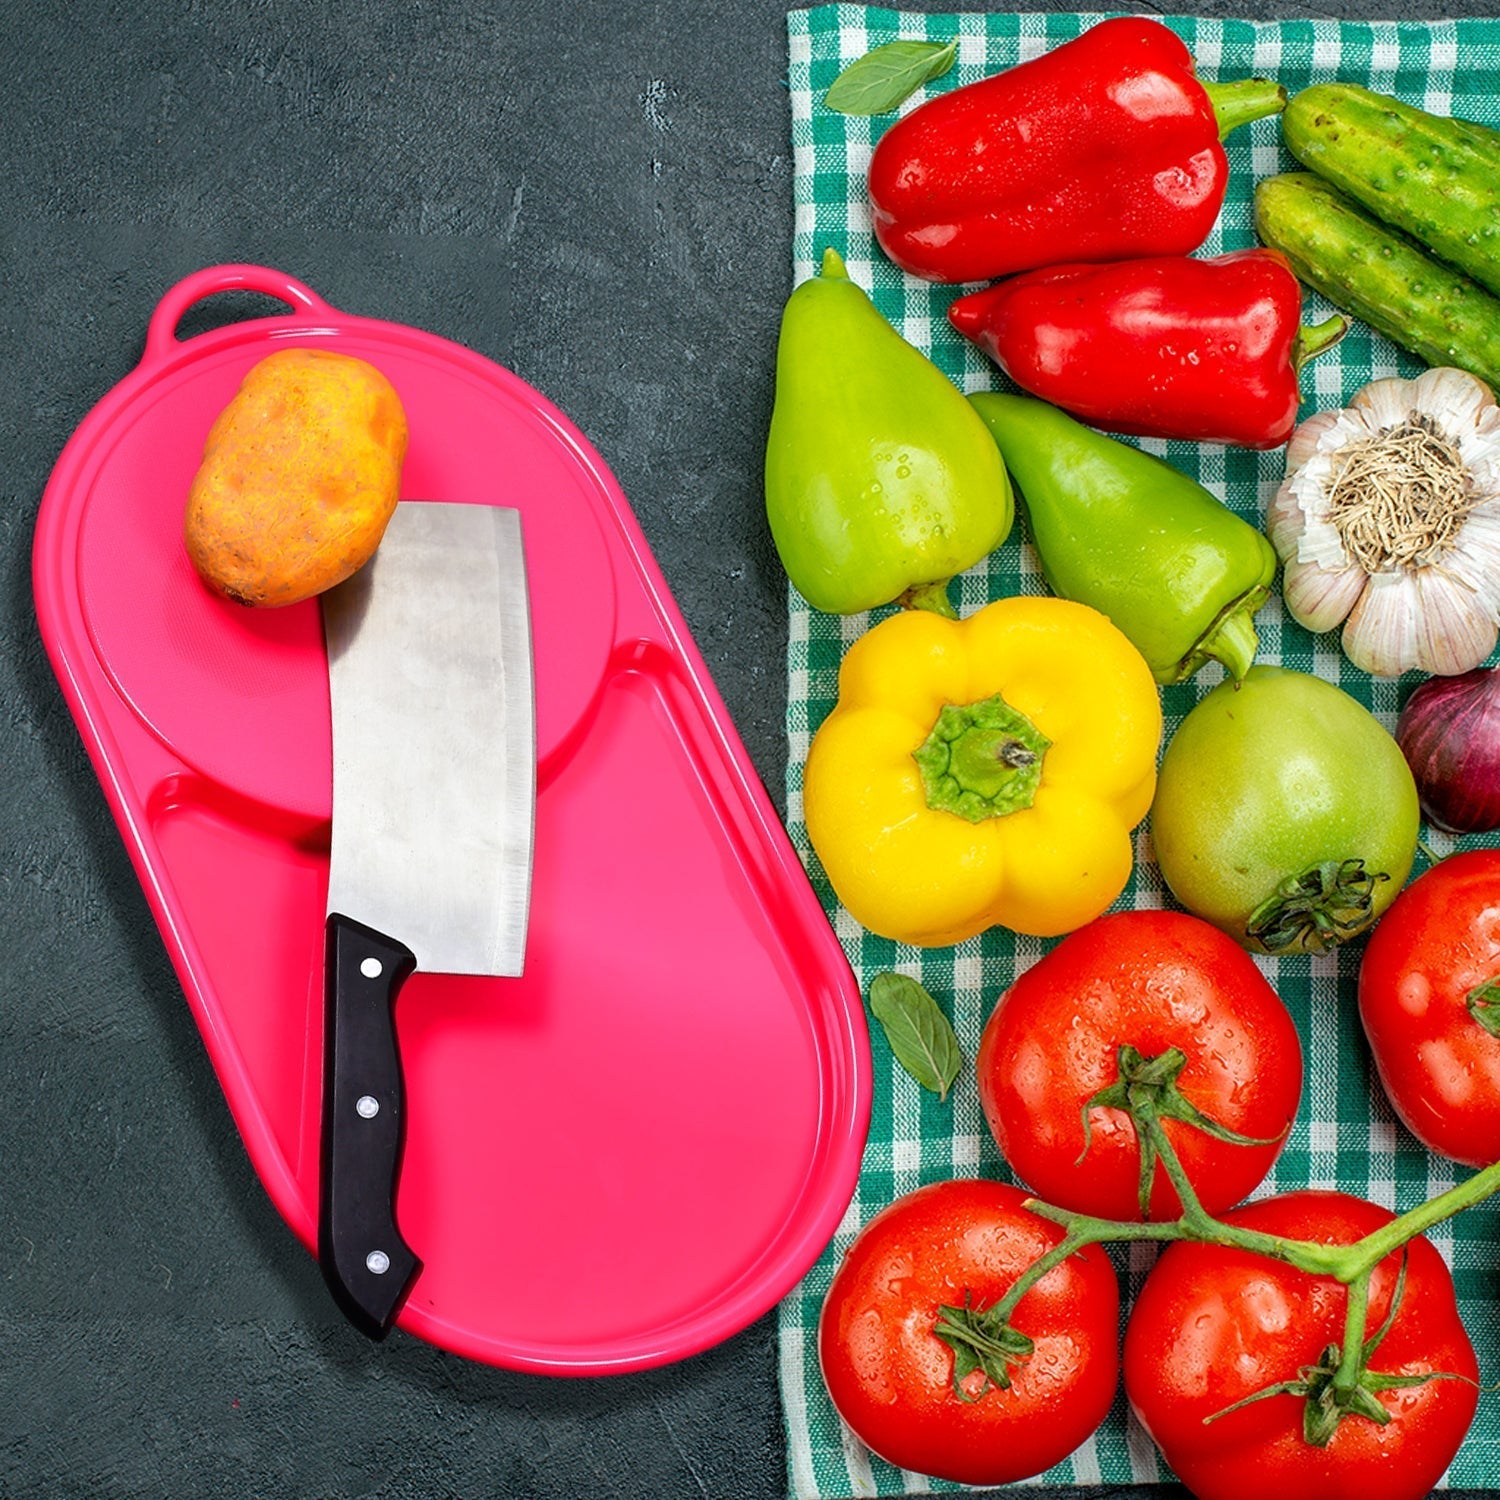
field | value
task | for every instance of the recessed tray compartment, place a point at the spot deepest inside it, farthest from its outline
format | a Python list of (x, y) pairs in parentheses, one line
[(636, 1148)]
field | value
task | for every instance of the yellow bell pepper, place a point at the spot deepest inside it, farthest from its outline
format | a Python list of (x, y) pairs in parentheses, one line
[(984, 772)]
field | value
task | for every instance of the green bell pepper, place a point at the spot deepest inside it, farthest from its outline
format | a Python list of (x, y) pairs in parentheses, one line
[(881, 481), (1180, 574)]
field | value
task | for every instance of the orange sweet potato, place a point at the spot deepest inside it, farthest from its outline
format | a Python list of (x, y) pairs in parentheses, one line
[(300, 475)]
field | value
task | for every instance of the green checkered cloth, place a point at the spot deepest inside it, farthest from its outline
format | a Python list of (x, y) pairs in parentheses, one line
[(1346, 1136)]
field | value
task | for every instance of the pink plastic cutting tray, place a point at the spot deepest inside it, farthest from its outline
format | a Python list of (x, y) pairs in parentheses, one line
[(636, 1149)]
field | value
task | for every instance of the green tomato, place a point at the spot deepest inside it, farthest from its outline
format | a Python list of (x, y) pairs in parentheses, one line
[(1285, 813)]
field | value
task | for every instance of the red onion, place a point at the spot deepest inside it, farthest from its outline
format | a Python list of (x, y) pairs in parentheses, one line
[(1449, 732)]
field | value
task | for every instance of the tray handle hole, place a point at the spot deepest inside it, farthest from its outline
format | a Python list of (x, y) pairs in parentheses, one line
[(221, 309)]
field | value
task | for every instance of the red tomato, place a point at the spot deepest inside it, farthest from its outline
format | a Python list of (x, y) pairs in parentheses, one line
[(891, 1377), (1154, 980), (1213, 1325), (1439, 941)]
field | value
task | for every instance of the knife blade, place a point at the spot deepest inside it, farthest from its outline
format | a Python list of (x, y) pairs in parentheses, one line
[(434, 795)]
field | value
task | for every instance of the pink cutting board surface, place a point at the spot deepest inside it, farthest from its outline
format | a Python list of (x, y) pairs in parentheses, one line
[(637, 1148)]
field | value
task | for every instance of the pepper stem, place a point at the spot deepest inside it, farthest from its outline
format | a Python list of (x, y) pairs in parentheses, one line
[(981, 760), (1319, 339), (1232, 640), (933, 596), (833, 266), (1244, 99)]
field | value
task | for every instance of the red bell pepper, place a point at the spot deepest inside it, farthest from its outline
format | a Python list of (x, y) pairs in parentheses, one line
[(1206, 350), (1104, 148)]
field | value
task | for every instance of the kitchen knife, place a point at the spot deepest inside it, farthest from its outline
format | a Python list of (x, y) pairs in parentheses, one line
[(434, 796)]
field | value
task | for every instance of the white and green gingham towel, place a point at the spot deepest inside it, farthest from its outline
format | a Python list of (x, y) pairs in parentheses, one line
[(1345, 1136)]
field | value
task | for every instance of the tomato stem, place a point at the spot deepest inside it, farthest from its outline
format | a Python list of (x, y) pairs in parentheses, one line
[(1483, 1003), (1343, 1263), (1341, 1385), (1082, 1230), (1318, 909), (1356, 1311), (1367, 1253), (1155, 1142), (1196, 1223), (981, 1340), (1150, 1083)]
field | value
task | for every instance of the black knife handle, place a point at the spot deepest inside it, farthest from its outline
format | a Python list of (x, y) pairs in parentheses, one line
[(368, 1266)]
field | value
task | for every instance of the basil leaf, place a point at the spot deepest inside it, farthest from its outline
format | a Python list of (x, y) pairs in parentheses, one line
[(919, 1033), (886, 77)]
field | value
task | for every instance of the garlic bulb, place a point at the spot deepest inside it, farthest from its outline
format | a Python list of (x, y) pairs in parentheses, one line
[(1389, 521)]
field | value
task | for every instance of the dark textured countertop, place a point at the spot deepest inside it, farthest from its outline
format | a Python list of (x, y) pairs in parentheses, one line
[(599, 198)]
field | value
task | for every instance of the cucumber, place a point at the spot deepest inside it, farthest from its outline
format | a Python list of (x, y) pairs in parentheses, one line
[(1372, 271), (1432, 176)]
